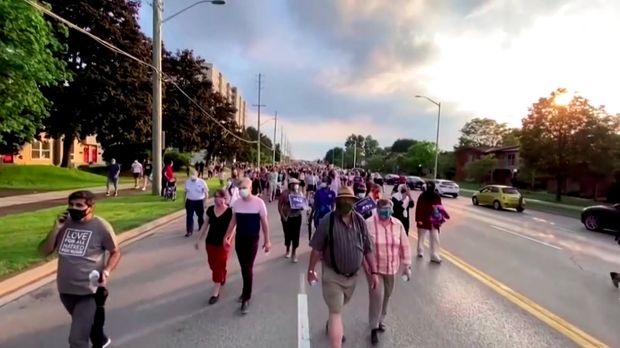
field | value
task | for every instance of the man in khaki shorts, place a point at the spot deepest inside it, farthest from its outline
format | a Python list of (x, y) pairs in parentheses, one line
[(342, 243)]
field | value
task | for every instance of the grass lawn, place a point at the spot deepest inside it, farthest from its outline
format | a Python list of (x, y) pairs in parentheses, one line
[(47, 178), (20, 234)]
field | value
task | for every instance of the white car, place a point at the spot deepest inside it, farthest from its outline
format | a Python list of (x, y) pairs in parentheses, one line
[(447, 188)]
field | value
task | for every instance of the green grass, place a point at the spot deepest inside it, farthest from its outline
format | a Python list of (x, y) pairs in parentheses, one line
[(21, 233), (46, 178)]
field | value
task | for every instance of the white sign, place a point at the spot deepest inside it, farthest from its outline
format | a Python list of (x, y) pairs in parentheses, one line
[(74, 242)]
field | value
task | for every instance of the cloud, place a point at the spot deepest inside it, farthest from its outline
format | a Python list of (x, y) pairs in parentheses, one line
[(336, 67)]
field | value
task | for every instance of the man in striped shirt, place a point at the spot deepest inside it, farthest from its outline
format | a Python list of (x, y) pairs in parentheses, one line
[(392, 255)]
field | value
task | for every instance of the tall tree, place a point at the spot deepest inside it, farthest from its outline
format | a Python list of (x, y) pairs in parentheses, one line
[(483, 132), (334, 156), (402, 145), (371, 146), (183, 120), (420, 157), (110, 93), (552, 139), (28, 46)]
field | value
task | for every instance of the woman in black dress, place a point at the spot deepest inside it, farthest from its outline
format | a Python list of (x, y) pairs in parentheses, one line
[(218, 218)]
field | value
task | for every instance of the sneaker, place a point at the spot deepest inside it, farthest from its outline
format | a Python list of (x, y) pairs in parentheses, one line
[(436, 260), (107, 194), (107, 344), (115, 194), (295, 259), (374, 337), (287, 255), (615, 278), (245, 307), (420, 255)]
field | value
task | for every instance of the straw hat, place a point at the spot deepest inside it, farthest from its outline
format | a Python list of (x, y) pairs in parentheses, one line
[(345, 192)]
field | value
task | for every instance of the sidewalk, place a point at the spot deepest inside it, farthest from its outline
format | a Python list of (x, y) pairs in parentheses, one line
[(52, 195)]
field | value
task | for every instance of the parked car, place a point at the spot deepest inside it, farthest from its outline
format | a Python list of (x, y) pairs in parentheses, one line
[(377, 179), (415, 183), (601, 217), (391, 179), (500, 197), (446, 188)]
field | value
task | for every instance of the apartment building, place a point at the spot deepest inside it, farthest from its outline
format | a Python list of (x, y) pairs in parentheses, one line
[(230, 92), (49, 152)]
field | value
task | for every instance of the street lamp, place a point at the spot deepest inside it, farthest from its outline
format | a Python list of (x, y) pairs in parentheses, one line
[(437, 138), (157, 108)]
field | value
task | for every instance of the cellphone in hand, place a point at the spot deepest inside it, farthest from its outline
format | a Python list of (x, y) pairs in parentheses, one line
[(63, 217)]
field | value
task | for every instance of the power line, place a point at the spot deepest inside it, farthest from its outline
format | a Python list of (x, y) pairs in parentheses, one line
[(119, 51)]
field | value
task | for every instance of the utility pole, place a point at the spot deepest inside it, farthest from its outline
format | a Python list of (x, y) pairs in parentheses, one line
[(259, 105), (355, 154), (156, 126), (281, 143), (275, 126)]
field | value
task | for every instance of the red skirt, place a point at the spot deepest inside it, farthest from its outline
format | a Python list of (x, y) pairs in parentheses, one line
[(217, 256)]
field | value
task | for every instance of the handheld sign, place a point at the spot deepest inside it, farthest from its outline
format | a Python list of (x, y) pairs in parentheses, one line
[(297, 202), (365, 205)]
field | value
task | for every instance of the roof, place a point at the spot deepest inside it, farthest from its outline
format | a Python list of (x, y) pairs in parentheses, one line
[(489, 150)]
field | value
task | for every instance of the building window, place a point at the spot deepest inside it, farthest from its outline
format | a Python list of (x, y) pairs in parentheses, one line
[(41, 149), (511, 159)]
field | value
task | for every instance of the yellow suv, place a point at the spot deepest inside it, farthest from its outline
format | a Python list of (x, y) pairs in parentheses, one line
[(500, 197)]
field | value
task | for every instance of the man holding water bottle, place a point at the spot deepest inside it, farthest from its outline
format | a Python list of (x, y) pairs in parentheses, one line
[(342, 243), (87, 253), (392, 256)]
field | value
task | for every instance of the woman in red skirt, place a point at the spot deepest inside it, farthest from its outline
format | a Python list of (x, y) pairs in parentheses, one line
[(218, 218)]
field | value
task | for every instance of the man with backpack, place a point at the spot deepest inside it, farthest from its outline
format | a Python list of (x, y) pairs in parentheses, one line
[(342, 243)]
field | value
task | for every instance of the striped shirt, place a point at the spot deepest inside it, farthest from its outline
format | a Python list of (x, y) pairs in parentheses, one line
[(351, 243), (391, 245)]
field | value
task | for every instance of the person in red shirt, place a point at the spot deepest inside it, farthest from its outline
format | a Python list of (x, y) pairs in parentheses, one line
[(423, 214), (167, 177)]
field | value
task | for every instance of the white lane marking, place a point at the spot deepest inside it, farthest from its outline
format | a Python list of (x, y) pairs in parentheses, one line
[(526, 237), (303, 320)]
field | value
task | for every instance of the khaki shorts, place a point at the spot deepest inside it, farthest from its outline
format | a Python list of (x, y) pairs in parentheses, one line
[(337, 289)]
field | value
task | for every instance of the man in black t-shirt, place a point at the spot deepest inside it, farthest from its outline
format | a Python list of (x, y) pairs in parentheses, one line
[(148, 170)]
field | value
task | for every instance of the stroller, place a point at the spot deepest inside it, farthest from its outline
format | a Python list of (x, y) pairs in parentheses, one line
[(170, 191)]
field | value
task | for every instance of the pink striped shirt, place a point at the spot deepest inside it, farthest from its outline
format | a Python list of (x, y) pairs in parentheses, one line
[(391, 245)]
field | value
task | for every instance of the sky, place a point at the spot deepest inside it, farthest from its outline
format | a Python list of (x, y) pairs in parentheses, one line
[(336, 67)]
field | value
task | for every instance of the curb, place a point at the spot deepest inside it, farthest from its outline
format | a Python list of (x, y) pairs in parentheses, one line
[(23, 283)]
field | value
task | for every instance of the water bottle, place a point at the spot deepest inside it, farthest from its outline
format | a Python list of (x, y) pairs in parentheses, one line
[(407, 276), (314, 281), (94, 278)]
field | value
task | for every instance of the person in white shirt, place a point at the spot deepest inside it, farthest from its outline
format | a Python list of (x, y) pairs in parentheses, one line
[(273, 184), (196, 194), (136, 170)]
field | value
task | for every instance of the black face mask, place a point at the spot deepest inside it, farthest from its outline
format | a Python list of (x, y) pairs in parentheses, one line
[(77, 214)]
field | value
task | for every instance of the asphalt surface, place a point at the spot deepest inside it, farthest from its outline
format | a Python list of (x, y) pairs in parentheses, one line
[(159, 293)]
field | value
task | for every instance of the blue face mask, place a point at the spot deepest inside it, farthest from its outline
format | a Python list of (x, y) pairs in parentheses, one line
[(385, 214)]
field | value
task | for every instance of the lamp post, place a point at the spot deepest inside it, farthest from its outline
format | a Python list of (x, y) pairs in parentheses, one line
[(437, 137), (156, 129)]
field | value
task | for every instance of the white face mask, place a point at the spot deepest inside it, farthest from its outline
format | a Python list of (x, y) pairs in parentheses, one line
[(295, 187), (244, 193), (194, 177), (361, 195)]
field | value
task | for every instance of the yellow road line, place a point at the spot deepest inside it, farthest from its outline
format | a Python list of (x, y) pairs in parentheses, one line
[(571, 331)]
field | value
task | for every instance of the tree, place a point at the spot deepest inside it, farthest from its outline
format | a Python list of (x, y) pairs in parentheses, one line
[(334, 155), (110, 94), (183, 121), (483, 132), (419, 157), (512, 137), (28, 46), (556, 138), (266, 148), (446, 165), (481, 169), (371, 146), (402, 145)]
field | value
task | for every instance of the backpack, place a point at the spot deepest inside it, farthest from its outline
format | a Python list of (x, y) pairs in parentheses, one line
[(437, 217)]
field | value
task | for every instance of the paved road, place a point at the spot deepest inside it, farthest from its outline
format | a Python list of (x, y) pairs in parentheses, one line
[(160, 293)]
